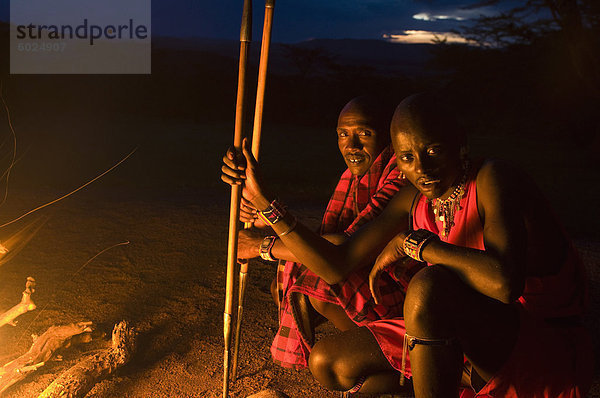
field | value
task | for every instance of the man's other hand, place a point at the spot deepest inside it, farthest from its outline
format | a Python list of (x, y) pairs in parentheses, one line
[(249, 241)]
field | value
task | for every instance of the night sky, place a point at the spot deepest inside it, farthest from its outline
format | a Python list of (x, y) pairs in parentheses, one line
[(305, 19)]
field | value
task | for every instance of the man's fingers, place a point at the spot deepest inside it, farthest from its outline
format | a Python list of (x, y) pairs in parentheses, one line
[(231, 181), (247, 210), (248, 206), (246, 216), (373, 286), (377, 295), (233, 161), (248, 203), (236, 174), (248, 153)]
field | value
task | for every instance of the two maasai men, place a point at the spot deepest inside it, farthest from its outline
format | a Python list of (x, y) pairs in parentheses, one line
[(504, 291), (364, 189)]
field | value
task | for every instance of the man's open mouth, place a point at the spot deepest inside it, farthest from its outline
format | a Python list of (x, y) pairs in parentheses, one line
[(355, 158), (428, 182)]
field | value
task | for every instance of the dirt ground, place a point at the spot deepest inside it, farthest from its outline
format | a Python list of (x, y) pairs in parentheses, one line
[(169, 280)]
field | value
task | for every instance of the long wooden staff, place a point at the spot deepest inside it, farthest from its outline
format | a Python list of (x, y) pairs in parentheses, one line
[(256, 133), (236, 190)]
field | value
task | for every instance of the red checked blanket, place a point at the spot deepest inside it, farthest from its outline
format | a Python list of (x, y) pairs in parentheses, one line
[(355, 201)]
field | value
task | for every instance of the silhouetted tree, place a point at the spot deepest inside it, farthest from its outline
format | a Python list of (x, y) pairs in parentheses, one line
[(574, 23)]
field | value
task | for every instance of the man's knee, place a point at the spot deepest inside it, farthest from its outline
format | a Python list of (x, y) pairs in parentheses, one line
[(331, 367), (321, 364), (429, 299)]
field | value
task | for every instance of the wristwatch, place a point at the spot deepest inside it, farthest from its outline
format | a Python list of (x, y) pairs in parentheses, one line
[(415, 243), (265, 248)]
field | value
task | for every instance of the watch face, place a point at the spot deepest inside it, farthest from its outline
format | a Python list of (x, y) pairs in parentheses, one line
[(264, 245)]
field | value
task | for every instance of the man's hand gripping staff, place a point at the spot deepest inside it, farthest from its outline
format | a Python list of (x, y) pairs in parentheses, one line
[(242, 169)]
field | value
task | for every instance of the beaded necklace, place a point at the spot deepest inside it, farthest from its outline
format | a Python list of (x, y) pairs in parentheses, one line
[(445, 210)]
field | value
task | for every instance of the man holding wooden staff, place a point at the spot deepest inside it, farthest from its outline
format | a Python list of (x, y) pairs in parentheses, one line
[(364, 189), (503, 295)]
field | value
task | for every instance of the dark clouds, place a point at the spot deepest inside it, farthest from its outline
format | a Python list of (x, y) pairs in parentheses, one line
[(303, 19)]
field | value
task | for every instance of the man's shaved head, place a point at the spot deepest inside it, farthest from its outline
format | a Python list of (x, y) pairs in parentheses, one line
[(426, 112), (376, 111), (427, 142)]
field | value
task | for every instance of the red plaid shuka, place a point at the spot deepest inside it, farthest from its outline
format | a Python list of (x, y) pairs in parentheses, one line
[(355, 201)]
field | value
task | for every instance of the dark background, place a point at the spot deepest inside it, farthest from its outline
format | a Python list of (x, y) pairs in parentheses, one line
[(527, 93)]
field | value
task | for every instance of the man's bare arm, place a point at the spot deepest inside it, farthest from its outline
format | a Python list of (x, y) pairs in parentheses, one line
[(281, 252), (333, 262)]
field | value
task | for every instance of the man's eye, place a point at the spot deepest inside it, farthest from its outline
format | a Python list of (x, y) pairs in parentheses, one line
[(342, 134), (366, 133), (434, 151), (406, 158)]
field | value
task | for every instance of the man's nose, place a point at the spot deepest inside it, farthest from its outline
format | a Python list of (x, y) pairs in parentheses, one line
[(355, 142), (423, 165)]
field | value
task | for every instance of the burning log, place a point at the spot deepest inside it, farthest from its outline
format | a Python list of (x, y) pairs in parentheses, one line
[(81, 378), (41, 351), (23, 307)]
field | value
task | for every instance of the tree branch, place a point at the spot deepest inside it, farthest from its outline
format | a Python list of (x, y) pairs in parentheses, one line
[(23, 307)]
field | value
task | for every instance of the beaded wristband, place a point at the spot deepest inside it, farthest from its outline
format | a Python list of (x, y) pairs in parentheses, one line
[(272, 214), (415, 243)]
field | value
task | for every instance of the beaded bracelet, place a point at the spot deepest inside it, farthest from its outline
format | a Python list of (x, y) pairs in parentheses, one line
[(272, 214), (415, 243)]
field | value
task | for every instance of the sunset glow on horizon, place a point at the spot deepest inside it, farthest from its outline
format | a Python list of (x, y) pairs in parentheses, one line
[(423, 36)]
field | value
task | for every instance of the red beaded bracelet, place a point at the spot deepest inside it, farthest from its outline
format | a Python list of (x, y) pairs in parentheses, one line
[(272, 214)]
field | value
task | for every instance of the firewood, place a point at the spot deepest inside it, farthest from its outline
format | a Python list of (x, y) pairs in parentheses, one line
[(81, 378), (42, 349), (24, 306)]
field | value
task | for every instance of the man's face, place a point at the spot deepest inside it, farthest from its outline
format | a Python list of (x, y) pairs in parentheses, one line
[(359, 140), (429, 161)]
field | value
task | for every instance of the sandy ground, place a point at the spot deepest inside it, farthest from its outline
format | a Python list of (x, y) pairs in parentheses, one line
[(169, 281)]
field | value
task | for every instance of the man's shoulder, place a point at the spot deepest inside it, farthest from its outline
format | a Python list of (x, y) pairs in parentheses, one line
[(499, 174), (404, 198)]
